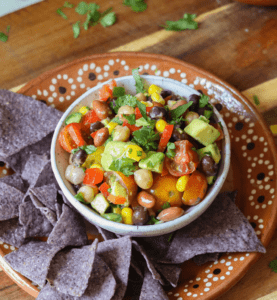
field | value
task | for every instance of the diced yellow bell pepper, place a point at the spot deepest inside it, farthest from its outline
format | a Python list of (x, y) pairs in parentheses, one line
[(134, 152), (147, 104), (97, 166), (111, 126), (127, 214), (154, 89), (83, 110), (94, 158)]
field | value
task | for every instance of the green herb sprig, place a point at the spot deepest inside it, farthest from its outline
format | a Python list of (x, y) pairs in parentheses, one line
[(187, 22)]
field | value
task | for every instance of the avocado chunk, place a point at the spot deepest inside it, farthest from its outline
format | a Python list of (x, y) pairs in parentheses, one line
[(203, 132), (153, 161), (73, 118), (211, 150), (113, 150), (100, 204), (210, 179), (119, 190)]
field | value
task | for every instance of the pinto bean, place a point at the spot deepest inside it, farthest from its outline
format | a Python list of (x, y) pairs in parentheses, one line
[(170, 214), (146, 200), (101, 109), (179, 103), (101, 137)]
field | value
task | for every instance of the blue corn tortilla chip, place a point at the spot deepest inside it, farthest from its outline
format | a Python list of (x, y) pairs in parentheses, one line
[(47, 212), (204, 258), (33, 260), (170, 272), (46, 176), (18, 160), (10, 199), (117, 255), (107, 235), (70, 270), (151, 289), (101, 285), (23, 121), (33, 221), (70, 229), (46, 194), (15, 181), (12, 233), (59, 210), (222, 228)]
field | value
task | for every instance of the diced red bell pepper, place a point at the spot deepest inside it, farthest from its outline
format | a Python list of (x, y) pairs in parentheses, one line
[(104, 189), (112, 84), (71, 137), (107, 91), (116, 199), (138, 113), (131, 127), (93, 134), (166, 135), (93, 176)]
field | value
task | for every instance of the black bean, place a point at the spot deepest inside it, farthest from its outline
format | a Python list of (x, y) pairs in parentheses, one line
[(208, 166), (140, 216), (79, 157), (166, 93), (178, 135), (195, 99), (96, 126), (76, 187), (157, 113), (200, 91)]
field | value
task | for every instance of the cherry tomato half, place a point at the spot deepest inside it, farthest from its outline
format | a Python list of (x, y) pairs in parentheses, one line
[(185, 161)]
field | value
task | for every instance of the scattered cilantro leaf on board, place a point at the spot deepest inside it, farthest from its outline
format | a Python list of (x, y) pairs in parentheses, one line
[(61, 13), (146, 138), (170, 150), (142, 109), (273, 265), (108, 20), (68, 4), (3, 37), (124, 165), (93, 17), (180, 110), (82, 8), (80, 197), (136, 5), (139, 83), (118, 91), (8, 28), (203, 101), (130, 118), (76, 29), (187, 22), (256, 100)]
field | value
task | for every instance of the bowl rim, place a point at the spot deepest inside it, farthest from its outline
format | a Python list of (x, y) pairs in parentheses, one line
[(142, 230)]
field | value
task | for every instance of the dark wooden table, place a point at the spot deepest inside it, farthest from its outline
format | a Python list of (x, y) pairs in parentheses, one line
[(236, 42)]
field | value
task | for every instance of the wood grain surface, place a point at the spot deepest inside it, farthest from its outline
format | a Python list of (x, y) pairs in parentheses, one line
[(236, 42)]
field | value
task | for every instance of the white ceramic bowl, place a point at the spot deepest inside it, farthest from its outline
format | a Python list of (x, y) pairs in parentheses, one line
[(60, 158)]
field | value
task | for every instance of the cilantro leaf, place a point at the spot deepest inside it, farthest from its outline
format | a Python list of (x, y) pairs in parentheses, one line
[(166, 205), (136, 5), (142, 109), (117, 120), (187, 22), (273, 265), (92, 18), (146, 138), (208, 113), (180, 110), (76, 29), (170, 150), (80, 197), (153, 221), (61, 13), (203, 101), (68, 4), (124, 100), (88, 148), (177, 121), (3, 37), (208, 153), (82, 8), (8, 28), (256, 100), (108, 20), (124, 165), (203, 118), (139, 153), (130, 118), (139, 83), (118, 91)]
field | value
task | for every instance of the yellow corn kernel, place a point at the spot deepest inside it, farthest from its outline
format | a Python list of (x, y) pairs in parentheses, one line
[(147, 104), (158, 98), (117, 210), (134, 152), (96, 166), (94, 158), (160, 125), (182, 183), (154, 89), (127, 214), (83, 110), (111, 126)]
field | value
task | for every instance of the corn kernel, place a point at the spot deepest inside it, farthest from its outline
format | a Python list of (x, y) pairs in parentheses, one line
[(182, 183), (96, 166), (160, 125), (111, 126), (134, 152), (157, 98), (127, 214), (154, 89), (83, 110), (147, 104)]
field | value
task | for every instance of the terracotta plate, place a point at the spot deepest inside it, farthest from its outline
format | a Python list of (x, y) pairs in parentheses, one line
[(253, 162)]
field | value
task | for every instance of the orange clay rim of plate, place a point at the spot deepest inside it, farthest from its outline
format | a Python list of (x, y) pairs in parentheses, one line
[(253, 152)]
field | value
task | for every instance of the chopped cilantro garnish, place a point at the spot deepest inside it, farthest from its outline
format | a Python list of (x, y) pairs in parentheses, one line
[(142, 109), (208, 153), (256, 100), (117, 120), (146, 138), (83, 7), (124, 100), (130, 118), (118, 91), (88, 148), (194, 149), (170, 150), (136, 5), (108, 19), (177, 121), (110, 190), (139, 153), (80, 197), (76, 29), (130, 150), (93, 17), (273, 265), (124, 165), (180, 110), (166, 205), (203, 101), (139, 83), (153, 221), (61, 13), (187, 22), (208, 113), (68, 4)]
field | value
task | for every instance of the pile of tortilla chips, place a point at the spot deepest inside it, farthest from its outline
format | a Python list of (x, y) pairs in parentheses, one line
[(69, 265)]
